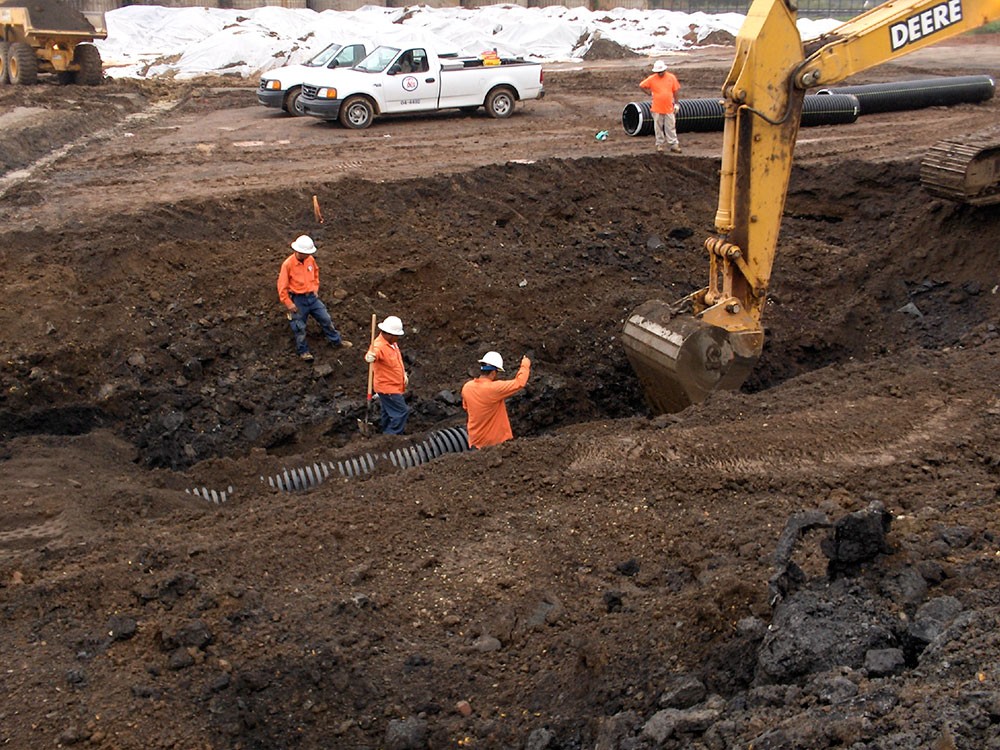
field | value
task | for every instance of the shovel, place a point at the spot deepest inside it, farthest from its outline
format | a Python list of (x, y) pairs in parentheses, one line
[(365, 426)]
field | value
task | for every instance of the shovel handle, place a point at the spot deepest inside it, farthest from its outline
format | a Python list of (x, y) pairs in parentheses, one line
[(371, 365)]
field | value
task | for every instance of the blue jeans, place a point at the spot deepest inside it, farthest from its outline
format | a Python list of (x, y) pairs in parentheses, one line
[(394, 413), (310, 304)]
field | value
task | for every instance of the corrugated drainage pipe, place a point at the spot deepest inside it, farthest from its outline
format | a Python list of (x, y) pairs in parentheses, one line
[(449, 440), (707, 115), (215, 496), (927, 92)]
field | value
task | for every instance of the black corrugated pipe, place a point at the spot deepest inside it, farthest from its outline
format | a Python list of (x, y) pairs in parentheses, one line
[(928, 92), (707, 115), (449, 440)]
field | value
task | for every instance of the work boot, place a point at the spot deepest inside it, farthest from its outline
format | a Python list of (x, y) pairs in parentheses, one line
[(306, 357), (675, 148), (659, 149), (344, 344)]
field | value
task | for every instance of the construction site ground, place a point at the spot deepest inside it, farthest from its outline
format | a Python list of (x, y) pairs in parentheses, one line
[(546, 593)]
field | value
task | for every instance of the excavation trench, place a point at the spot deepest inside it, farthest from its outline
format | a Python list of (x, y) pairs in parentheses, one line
[(189, 356)]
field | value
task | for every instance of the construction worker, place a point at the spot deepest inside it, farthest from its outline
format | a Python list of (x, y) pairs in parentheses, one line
[(664, 87), (298, 283), (389, 378), (483, 398)]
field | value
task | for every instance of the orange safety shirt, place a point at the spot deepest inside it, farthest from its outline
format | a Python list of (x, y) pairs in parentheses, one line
[(483, 399), (388, 373), (297, 276), (663, 89)]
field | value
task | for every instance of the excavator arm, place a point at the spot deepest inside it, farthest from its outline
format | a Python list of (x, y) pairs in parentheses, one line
[(711, 339)]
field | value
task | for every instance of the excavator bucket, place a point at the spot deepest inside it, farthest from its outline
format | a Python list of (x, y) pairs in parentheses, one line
[(680, 359)]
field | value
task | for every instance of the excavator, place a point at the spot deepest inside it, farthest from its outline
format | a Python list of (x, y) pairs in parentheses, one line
[(711, 339)]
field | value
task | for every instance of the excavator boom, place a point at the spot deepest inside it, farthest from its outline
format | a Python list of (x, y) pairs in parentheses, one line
[(712, 338)]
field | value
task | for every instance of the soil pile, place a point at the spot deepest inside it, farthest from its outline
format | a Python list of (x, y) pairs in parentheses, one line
[(52, 15)]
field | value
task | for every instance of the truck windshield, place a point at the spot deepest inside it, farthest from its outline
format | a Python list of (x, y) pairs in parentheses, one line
[(325, 56), (378, 60)]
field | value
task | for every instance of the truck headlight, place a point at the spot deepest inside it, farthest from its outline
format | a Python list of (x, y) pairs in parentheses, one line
[(273, 85), (326, 94)]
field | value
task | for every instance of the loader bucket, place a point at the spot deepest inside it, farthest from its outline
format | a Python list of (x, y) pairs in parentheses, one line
[(680, 359)]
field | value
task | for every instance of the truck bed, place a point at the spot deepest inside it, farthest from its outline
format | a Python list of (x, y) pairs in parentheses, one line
[(451, 63), (51, 17)]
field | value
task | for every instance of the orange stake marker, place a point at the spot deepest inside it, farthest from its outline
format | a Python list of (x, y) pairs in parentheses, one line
[(316, 212)]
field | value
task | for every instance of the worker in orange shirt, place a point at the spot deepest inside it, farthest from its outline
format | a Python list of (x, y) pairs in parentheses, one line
[(389, 378), (298, 283), (664, 87), (484, 399)]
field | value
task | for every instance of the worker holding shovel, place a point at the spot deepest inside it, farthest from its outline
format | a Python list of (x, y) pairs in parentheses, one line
[(389, 378)]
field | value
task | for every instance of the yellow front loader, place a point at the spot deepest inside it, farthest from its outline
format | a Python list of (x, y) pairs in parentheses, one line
[(711, 339), (49, 37)]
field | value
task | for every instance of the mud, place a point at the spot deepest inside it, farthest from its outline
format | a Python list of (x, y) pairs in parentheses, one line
[(549, 593)]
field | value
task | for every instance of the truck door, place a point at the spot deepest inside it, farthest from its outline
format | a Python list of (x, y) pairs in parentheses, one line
[(410, 85)]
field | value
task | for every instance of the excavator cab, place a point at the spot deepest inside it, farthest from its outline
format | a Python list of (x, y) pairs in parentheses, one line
[(711, 339)]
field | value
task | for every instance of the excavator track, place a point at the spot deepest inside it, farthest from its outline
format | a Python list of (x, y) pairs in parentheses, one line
[(966, 171)]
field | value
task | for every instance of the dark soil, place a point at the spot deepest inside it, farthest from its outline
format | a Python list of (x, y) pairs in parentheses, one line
[(606, 580)]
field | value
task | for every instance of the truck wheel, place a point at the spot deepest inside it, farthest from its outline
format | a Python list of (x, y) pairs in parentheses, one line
[(500, 102), (22, 65), (4, 56), (88, 57), (292, 102), (357, 113)]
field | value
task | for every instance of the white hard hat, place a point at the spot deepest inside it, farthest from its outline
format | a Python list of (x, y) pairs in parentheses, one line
[(391, 325), (659, 66), (304, 244), (492, 359)]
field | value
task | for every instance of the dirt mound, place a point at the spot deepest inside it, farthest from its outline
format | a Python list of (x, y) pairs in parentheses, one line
[(606, 49), (52, 15)]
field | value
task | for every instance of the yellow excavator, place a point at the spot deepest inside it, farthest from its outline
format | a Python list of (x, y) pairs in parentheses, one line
[(711, 339)]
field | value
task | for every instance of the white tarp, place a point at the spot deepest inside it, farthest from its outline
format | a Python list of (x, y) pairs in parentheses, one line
[(148, 40)]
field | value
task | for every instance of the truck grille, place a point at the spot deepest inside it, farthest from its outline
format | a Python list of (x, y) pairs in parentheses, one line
[(263, 83), (310, 91)]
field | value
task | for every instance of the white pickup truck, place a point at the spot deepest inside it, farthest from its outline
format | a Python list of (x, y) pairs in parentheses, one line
[(281, 87), (394, 80)]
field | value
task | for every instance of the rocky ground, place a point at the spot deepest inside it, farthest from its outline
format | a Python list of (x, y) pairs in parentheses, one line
[(810, 562)]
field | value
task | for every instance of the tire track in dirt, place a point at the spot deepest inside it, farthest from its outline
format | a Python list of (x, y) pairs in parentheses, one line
[(888, 438), (19, 176)]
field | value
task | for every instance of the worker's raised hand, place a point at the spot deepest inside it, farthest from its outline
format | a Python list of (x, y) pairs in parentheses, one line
[(525, 362), (369, 357)]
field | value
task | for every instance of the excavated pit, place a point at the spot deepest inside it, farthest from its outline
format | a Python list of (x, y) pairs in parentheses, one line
[(180, 347)]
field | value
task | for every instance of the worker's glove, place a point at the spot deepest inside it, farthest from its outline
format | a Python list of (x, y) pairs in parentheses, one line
[(525, 361), (293, 310), (406, 380), (369, 357), (677, 108)]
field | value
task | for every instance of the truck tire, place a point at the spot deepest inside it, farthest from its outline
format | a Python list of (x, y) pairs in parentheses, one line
[(292, 102), (500, 102), (22, 65), (91, 71), (357, 112), (4, 57)]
